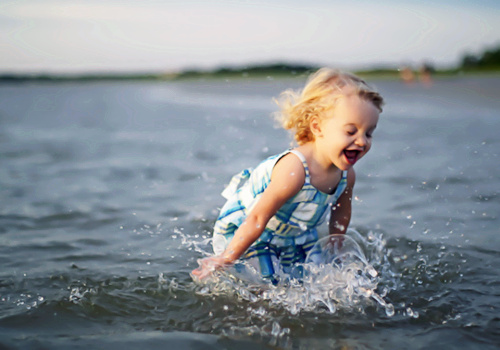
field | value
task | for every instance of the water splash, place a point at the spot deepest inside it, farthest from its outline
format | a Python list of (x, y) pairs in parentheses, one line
[(337, 276)]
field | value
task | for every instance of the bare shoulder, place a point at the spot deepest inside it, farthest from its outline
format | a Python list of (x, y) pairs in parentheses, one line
[(290, 171)]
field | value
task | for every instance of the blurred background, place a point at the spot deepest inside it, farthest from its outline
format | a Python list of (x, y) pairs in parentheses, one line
[(155, 37)]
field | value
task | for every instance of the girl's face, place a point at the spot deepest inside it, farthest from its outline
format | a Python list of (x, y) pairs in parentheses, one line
[(346, 137)]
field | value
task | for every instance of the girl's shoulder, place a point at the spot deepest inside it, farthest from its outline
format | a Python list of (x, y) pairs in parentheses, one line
[(289, 169), (284, 166)]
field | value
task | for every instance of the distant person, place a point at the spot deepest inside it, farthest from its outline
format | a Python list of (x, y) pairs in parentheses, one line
[(407, 75), (271, 219), (425, 74)]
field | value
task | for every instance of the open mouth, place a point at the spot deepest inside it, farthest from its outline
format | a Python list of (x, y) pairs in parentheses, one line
[(351, 156)]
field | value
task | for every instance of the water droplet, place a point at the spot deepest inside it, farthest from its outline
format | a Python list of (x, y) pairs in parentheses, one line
[(372, 272), (389, 310), (339, 226), (276, 329)]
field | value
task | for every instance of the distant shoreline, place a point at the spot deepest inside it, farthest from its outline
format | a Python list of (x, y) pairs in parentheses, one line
[(255, 72)]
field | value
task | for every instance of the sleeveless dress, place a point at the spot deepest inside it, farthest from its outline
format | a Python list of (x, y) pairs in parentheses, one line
[(290, 233)]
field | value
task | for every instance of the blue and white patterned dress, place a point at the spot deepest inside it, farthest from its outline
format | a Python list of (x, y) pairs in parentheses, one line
[(290, 233)]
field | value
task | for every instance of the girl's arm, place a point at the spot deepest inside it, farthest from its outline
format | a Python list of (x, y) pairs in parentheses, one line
[(341, 211), (287, 179)]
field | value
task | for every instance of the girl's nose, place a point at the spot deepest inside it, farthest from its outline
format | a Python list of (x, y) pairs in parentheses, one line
[(361, 141)]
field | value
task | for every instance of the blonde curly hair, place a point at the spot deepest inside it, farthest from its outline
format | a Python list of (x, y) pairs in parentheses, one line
[(318, 98)]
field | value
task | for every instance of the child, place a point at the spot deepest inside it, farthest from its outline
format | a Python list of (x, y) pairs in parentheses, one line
[(272, 218)]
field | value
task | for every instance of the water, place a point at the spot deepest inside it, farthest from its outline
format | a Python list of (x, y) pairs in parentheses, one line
[(109, 191)]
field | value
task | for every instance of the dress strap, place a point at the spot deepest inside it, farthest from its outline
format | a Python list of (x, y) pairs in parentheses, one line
[(341, 185)]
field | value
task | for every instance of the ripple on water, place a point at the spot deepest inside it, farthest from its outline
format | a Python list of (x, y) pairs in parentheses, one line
[(430, 285), (385, 283)]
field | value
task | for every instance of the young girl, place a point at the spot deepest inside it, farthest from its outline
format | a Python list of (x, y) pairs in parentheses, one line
[(272, 218)]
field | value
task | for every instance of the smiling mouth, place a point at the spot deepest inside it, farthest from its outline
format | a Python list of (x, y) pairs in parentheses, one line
[(351, 156)]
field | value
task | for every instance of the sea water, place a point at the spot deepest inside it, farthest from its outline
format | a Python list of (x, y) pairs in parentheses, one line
[(108, 193)]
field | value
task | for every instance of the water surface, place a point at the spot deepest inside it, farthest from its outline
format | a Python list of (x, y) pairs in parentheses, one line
[(109, 191)]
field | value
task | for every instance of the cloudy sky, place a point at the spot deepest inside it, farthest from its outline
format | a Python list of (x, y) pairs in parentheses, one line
[(166, 35)]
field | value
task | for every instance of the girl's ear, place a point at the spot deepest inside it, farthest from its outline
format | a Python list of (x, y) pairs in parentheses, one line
[(315, 126)]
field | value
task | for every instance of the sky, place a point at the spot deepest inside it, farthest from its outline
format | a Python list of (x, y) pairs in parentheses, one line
[(74, 36)]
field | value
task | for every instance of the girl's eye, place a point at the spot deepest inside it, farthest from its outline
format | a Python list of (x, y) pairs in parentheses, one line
[(351, 132)]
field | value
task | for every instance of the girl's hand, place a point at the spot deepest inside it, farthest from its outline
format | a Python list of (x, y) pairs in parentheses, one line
[(208, 266)]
